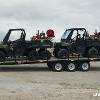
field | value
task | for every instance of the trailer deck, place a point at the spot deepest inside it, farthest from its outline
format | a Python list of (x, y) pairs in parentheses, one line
[(71, 64), (25, 61)]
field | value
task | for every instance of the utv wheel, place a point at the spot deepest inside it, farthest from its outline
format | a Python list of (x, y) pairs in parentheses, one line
[(58, 67), (55, 52), (45, 55), (2, 56), (93, 52), (63, 54), (39, 51), (33, 55), (71, 67), (85, 66)]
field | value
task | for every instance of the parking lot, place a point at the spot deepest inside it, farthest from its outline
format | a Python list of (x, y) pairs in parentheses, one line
[(36, 82)]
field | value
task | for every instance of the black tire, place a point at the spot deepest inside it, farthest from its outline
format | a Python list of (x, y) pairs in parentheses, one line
[(2, 56), (71, 67), (45, 55), (33, 55), (40, 50), (84, 66), (49, 64), (57, 67), (93, 52), (55, 52), (63, 54)]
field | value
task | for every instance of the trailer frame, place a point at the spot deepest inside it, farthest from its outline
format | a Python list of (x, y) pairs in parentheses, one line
[(70, 64)]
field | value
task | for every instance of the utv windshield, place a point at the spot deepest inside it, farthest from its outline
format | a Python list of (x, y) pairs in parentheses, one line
[(66, 34)]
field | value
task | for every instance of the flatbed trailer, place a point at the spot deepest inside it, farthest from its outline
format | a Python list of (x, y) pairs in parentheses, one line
[(71, 64)]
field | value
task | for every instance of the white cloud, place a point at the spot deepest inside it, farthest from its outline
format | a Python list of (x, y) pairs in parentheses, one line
[(43, 14)]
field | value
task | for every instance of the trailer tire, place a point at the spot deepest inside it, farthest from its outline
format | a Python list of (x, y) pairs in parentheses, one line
[(45, 55), (2, 56), (84, 66), (71, 67), (33, 55), (93, 52), (63, 53), (57, 67)]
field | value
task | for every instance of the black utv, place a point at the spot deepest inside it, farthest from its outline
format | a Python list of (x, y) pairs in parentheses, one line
[(15, 45), (76, 41)]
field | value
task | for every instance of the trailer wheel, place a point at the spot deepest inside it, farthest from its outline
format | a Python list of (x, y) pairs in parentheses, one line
[(71, 67), (33, 55), (57, 67), (63, 54), (93, 52), (45, 55), (85, 66), (2, 56)]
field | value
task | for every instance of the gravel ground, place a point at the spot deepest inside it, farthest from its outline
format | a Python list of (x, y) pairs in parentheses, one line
[(36, 82)]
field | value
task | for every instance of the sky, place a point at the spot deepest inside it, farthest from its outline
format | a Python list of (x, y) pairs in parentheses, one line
[(59, 15)]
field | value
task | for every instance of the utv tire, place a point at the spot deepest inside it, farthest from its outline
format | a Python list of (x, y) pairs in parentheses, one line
[(33, 55), (55, 52), (45, 55), (2, 56), (40, 50), (93, 52), (63, 54)]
